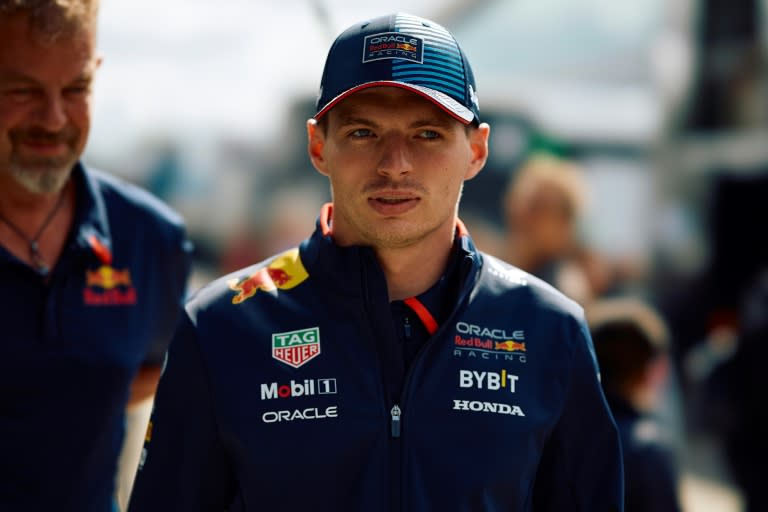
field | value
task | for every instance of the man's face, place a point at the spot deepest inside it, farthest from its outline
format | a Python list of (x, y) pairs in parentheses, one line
[(45, 99), (396, 163)]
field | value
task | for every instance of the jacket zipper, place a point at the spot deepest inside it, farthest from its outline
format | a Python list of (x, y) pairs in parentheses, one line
[(466, 289), (396, 413)]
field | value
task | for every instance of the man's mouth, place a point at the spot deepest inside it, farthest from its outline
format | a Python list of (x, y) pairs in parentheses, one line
[(393, 204), (393, 200)]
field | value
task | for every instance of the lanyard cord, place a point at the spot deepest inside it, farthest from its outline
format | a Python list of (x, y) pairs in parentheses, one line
[(34, 248)]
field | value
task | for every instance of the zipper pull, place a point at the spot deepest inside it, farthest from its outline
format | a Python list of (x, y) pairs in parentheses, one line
[(407, 327), (395, 412)]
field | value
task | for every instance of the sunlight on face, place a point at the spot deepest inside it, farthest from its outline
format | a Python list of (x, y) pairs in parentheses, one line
[(45, 98), (397, 164)]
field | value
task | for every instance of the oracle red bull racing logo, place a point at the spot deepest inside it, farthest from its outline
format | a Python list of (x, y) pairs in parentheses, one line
[(393, 45), (475, 341), (108, 286), (295, 348), (283, 273)]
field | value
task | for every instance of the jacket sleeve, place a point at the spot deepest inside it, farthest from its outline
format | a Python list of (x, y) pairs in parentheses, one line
[(581, 465), (183, 465), (176, 261)]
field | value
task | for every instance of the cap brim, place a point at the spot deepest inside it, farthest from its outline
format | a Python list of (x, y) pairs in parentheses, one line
[(442, 100)]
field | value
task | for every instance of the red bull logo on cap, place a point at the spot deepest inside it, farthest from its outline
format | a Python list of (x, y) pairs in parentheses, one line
[(108, 286), (393, 45), (283, 273)]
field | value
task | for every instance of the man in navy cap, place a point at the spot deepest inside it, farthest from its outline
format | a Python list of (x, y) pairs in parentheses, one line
[(385, 363)]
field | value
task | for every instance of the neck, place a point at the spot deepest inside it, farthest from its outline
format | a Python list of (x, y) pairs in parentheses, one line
[(24, 208), (34, 227), (412, 270)]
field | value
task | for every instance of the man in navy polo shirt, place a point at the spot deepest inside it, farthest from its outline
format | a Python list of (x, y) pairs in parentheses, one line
[(385, 363), (92, 272)]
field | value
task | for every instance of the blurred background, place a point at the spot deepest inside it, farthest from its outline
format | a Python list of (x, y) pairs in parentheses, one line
[(661, 106)]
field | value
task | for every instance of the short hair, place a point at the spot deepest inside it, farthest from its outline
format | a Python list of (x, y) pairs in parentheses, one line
[(53, 18), (628, 335), (545, 170)]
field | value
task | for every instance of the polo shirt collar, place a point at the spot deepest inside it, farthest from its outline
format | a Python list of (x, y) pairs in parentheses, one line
[(91, 225)]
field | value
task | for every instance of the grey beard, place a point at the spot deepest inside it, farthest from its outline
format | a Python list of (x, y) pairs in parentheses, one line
[(46, 177)]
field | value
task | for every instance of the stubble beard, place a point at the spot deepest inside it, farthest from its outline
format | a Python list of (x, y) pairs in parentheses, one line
[(40, 174), (399, 237), (45, 176), (394, 233)]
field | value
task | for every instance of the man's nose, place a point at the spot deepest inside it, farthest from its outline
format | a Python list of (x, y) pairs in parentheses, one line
[(51, 114), (395, 159)]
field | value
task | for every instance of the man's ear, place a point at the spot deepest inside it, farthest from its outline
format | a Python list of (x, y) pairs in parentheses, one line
[(478, 143), (315, 145)]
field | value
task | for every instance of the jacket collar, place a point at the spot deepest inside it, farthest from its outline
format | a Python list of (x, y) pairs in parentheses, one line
[(353, 268), (91, 226)]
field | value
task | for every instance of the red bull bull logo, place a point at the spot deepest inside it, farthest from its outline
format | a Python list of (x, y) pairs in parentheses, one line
[(283, 273), (106, 277), (510, 346), (108, 286)]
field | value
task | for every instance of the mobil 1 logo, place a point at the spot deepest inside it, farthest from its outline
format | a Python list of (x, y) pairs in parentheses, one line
[(293, 389)]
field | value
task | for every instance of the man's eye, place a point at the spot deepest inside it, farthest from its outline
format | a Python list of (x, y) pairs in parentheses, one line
[(76, 90), (361, 132), (429, 134), (21, 93)]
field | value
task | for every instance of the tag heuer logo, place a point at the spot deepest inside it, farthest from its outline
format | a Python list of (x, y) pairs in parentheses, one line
[(295, 348)]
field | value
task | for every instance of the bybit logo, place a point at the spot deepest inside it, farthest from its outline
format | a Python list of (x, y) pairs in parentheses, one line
[(487, 380)]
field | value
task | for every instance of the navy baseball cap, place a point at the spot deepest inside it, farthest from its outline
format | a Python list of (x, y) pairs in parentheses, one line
[(400, 50)]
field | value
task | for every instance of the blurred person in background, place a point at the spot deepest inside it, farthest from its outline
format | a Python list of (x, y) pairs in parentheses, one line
[(745, 422), (384, 363), (542, 206), (93, 272), (631, 343)]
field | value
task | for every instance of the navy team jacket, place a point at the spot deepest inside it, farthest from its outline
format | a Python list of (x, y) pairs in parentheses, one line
[(71, 345), (284, 391)]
